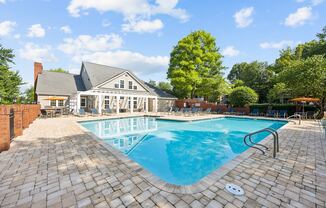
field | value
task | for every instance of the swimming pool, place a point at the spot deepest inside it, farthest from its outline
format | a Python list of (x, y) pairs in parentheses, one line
[(179, 153)]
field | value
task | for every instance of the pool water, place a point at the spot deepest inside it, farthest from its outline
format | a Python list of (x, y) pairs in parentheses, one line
[(180, 153)]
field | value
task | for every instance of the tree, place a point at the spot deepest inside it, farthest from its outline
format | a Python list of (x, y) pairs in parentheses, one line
[(165, 86), (10, 81), (61, 70), (278, 92), (241, 96), (255, 75), (192, 61), (307, 77), (28, 95), (152, 82)]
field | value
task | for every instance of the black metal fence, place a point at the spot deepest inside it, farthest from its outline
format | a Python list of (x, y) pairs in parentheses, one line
[(12, 123)]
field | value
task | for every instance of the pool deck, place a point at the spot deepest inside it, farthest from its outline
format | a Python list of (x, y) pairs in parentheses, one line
[(55, 163)]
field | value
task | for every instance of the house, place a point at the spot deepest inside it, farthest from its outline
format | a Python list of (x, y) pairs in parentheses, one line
[(100, 87)]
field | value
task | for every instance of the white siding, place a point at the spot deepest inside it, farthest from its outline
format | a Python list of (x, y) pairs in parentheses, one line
[(42, 100), (126, 77)]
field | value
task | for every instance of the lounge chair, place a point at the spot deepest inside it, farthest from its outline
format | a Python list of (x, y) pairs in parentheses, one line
[(81, 112), (283, 113), (254, 112), (272, 113), (94, 112), (230, 111)]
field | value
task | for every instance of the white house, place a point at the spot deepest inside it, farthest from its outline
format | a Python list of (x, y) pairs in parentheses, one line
[(100, 87)]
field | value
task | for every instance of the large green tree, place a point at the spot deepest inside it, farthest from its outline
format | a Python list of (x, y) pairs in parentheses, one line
[(195, 62), (242, 96), (61, 70), (10, 81), (307, 77), (255, 75)]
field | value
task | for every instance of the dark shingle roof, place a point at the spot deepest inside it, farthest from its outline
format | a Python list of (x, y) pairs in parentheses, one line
[(158, 92), (58, 83), (99, 73)]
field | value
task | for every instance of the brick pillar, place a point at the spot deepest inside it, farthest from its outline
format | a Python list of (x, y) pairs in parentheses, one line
[(18, 120), (4, 128)]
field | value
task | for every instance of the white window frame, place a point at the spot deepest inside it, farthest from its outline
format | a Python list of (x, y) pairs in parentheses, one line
[(130, 85), (81, 103), (135, 87), (63, 103), (135, 101), (122, 86), (55, 103), (106, 98)]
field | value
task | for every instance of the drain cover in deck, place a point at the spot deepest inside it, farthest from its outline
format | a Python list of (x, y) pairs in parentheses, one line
[(234, 189)]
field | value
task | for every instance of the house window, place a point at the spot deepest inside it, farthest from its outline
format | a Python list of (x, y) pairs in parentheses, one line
[(107, 102), (129, 102), (116, 85), (135, 103), (135, 87), (83, 102), (53, 103), (130, 85), (60, 103), (122, 84), (122, 98)]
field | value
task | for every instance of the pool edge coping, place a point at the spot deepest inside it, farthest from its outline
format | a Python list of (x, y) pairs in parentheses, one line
[(197, 187)]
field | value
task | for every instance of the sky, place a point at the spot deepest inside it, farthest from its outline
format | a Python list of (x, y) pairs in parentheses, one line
[(140, 34)]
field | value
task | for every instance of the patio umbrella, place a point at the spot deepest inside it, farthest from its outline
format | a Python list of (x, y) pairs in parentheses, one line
[(55, 98), (304, 100)]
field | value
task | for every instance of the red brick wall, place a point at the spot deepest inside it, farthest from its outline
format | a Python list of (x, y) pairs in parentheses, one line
[(204, 105), (24, 115)]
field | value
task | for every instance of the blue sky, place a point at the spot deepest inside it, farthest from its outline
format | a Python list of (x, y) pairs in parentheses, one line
[(140, 34)]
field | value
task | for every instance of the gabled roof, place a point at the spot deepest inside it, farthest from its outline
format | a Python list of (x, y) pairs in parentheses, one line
[(99, 73), (158, 92), (58, 83)]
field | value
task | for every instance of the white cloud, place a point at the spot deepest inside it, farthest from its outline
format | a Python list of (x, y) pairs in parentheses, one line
[(36, 30), (17, 36), (85, 43), (34, 52), (313, 2), (6, 27), (129, 8), (143, 26), (2, 1), (300, 17), (230, 51), (243, 18), (66, 29), (277, 45), (137, 62)]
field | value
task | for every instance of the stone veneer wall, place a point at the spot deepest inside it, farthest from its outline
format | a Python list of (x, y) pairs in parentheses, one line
[(24, 115)]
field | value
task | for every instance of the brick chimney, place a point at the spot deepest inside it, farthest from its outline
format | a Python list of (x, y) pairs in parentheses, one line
[(38, 68)]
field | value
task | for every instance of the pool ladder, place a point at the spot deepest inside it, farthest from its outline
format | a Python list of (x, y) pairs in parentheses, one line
[(253, 144)]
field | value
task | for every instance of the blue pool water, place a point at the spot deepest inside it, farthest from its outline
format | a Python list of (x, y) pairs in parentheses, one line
[(179, 153)]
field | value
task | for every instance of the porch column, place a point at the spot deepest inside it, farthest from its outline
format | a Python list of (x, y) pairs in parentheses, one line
[(100, 104), (78, 103), (131, 104), (146, 98), (118, 103), (155, 103)]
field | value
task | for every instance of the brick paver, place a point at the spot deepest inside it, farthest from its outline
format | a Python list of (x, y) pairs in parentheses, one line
[(56, 164)]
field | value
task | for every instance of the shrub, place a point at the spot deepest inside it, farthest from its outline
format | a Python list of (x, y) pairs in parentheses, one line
[(241, 96)]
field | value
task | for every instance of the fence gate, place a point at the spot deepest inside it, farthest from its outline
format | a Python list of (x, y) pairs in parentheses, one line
[(12, 124)]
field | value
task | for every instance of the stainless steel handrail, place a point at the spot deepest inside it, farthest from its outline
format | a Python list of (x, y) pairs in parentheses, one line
[(295, 115), (270, 130)]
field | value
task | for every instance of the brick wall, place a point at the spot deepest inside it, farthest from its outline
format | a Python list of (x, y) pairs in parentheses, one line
[(204, 105), (24, 115)]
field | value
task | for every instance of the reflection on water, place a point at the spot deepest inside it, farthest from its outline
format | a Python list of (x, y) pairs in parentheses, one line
[(123, 133), (179, 152)]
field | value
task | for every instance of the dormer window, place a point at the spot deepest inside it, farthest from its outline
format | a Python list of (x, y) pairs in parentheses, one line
[(135, 87), (130, 85), (122, 84), (116, 85)]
